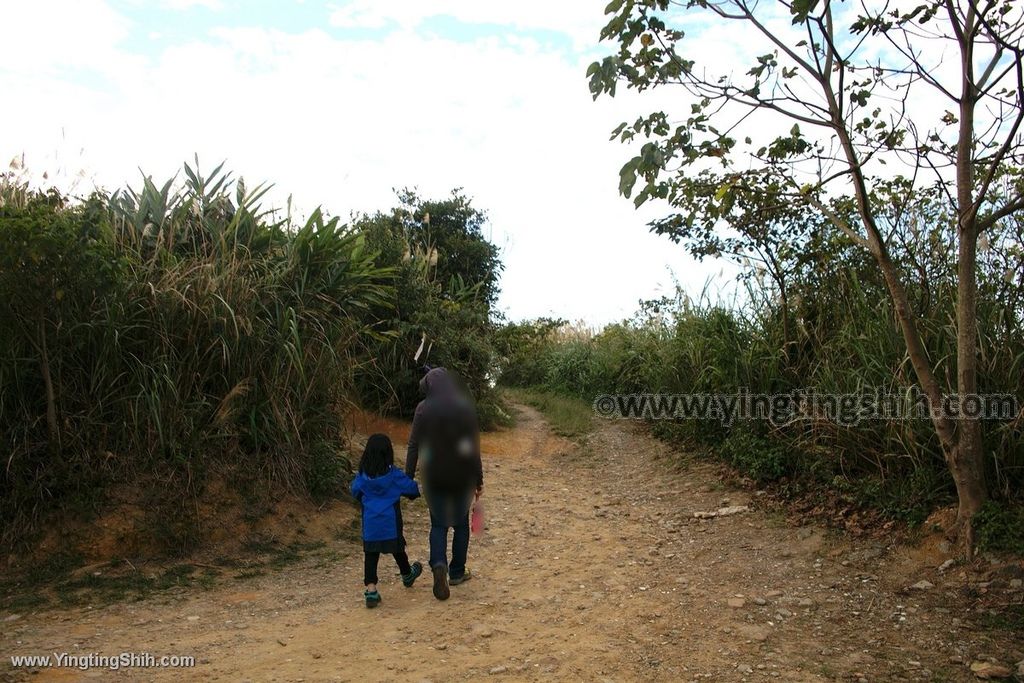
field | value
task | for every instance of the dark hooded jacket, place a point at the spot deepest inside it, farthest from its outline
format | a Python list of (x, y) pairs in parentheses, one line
[(446, 435)]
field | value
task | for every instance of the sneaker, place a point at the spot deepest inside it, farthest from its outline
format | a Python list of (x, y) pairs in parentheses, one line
[(441, 591), (456, 580), (372, 598), (414, 573)]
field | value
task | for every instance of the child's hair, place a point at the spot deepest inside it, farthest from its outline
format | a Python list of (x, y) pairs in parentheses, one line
[(378, 456)]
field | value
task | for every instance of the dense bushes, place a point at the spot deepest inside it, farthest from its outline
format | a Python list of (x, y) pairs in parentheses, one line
[(446, 286), (164, 333), (149, 339), (1001, 528), (842, 340)]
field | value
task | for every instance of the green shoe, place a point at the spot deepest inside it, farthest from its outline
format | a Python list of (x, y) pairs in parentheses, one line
[(414, 573), (372, 598), (456, 580)]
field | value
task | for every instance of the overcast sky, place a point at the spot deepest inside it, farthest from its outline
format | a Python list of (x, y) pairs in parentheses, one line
[(337, 103)]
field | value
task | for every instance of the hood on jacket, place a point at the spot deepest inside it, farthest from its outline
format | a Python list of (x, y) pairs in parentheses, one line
[(379, 486), (437, 382)]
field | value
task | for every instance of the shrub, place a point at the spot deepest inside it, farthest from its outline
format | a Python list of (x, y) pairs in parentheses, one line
[(999, 527), (328, 472), (446, 276), (844, 341), (761, 459), (147, 335)]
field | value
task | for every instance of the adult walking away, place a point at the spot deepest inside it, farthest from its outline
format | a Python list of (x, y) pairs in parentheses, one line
[(446, 432)]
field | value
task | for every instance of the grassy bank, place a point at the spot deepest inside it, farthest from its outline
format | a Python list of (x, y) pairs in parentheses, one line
[(567, 415)]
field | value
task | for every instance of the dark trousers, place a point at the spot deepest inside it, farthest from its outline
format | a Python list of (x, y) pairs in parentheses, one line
[(370, 565), (449, 511)]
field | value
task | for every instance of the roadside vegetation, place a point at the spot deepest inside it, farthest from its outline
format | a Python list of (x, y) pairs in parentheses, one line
[(160, 339), (843, 340), (567, 416), (879, 198), (157, 339)]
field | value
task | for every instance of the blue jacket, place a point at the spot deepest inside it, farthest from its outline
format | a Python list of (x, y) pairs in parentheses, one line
[(379, 497)]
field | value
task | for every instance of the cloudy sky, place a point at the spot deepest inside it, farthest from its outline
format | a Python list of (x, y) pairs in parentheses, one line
[(337, 103)]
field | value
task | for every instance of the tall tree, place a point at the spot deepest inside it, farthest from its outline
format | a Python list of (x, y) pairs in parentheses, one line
[(840, 96), (446, 284), (768, 231)]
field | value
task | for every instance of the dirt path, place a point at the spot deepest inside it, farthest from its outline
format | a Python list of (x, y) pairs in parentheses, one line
[(592, 568)]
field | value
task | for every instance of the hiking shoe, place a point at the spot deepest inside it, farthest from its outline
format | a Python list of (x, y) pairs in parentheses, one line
[(414, 573), (456, 580), (441, 591), (372, 598)]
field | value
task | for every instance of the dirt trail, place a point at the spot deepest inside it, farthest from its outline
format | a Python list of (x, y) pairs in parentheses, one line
[(592, 568)]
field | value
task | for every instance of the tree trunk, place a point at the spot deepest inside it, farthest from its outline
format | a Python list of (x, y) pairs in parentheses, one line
[(960, 439), (968, 468), (967, 462), (945, 426)]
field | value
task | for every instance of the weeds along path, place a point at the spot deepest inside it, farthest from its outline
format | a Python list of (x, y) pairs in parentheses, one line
[(592, 568)]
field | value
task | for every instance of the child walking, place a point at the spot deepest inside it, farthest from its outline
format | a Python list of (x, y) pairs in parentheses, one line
[(379, 487)]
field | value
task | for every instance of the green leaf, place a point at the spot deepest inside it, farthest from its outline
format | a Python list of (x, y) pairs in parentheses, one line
[(800, 9), (627, 177), (613, 6)]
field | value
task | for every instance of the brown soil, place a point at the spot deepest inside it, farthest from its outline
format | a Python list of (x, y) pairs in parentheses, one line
[(592, 567)]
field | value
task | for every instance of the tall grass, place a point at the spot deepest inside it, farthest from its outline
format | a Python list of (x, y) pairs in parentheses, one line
[(153, 335), (846, 342), (568, 416)]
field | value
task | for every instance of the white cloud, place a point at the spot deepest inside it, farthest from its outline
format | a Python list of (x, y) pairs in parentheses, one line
[(215, 5), (581, 20), (41, 36), (342, 122)]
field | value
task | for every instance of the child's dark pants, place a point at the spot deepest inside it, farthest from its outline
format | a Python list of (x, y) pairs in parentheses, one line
[(370, 565)]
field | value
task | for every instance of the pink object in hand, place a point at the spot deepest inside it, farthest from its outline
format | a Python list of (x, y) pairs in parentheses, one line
[(476, 520)]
